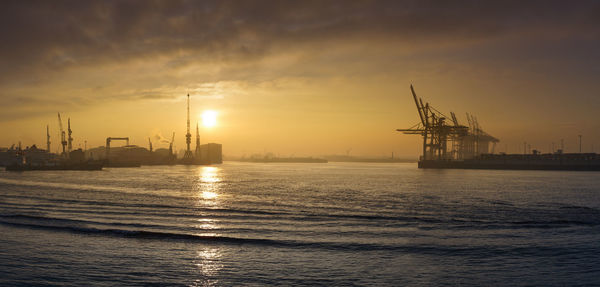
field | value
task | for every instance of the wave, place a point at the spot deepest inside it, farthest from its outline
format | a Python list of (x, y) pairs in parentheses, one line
[(145, 234), (84, 187), (72, 222), (444, 250), (88, 202), (545, 219)]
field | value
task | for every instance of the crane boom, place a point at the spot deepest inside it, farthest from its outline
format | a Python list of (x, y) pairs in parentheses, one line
[(454, 119), (419, 107)]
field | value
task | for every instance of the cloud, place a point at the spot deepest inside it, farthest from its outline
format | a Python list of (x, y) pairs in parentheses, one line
[(51, 35), (151, 49)]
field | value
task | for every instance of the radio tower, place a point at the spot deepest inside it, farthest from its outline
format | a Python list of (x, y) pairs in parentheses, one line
[(188, 137)]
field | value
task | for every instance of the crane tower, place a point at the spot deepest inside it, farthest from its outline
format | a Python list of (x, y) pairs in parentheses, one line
[(70, 139), (188, 135), (63, 140)]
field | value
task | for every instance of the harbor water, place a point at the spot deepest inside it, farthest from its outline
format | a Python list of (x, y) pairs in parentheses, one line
[(334, 224)]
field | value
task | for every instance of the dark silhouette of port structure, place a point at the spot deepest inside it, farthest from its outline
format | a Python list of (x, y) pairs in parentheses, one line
[(455, 146), (17, 158)]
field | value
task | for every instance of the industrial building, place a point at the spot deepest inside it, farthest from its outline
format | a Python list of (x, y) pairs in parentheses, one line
[(211, 153)]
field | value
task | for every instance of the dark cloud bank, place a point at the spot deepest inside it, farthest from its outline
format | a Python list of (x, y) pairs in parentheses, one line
[(47, 36)]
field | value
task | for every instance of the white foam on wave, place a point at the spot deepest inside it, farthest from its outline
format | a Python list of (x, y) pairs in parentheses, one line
[(89, 187)]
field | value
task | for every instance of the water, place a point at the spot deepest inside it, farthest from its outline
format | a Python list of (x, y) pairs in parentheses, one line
[(299, 224)]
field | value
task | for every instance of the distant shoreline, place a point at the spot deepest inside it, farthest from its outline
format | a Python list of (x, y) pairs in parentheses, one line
[(321, 160)]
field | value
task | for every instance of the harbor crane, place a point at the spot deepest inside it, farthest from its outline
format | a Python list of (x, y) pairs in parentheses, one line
[(63, 140), (150, 144), (188, 136), (438, 135), (70, 139), (109, 139)]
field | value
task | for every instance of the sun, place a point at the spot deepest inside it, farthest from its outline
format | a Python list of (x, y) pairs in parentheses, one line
[(209, 118)]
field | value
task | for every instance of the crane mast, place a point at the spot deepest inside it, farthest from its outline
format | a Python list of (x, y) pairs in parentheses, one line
[(188, 135), (63, 141), (70, 139)]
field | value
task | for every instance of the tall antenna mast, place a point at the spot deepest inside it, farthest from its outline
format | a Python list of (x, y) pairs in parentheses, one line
[(188, 135)]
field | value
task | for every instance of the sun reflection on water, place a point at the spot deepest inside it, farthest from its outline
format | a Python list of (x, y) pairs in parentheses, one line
[(208, 259), (207, 224), (209, 174), (209, 195), (208, 263), (208, 185)]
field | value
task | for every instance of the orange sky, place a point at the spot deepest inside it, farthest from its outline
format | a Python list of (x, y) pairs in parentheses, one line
[(300, 78)]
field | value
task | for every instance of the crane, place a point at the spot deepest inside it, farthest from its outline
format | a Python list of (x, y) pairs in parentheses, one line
[(454, 120), (70, 139), (188, 136), (109, 139), (434, 129), (63, 141), (150, 144)]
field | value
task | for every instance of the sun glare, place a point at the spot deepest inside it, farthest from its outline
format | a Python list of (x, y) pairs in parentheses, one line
[(209, 118)]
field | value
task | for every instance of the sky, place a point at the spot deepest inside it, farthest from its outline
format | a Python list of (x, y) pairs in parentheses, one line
[(299, 78)]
